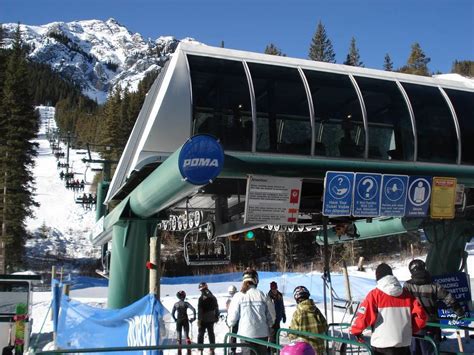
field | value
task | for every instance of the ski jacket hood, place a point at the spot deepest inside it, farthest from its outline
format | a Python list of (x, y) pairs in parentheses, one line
[(390, 285)]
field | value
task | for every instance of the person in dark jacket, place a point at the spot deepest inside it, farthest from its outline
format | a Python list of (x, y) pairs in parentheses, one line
[(428, 293), (182, 321), (208, 314), (277, 299), (392, 312)]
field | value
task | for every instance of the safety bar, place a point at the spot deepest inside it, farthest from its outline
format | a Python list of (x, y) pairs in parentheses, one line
[(152, 347), (429, 340), (248, 340), (322, 336)]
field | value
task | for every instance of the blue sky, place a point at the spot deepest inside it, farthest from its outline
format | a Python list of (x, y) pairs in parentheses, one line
[(444, 28)]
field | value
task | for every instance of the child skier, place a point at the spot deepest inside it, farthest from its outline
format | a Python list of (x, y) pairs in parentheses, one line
[(308, 318), (182, 320)]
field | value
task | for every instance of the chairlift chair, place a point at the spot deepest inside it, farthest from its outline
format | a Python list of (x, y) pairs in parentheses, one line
[(200, 248)]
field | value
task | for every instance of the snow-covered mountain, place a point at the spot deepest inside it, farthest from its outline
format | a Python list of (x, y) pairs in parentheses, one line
[(96, 55)]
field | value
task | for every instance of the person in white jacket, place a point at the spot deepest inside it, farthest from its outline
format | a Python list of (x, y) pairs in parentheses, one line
[(253, 310)]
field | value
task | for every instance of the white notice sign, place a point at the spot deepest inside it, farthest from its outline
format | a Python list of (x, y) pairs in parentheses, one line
[(272, 200)]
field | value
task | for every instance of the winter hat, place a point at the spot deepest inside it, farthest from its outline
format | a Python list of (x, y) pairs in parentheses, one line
[(382, 271), (250, 275), (202, 286), (273, 285), (298, 348)]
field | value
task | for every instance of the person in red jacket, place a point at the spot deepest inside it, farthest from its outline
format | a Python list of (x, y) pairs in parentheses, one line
[(392, 312)]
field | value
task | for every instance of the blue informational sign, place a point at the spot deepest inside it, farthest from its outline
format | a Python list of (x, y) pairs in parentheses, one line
[(418, 196), (393, 195), (337, 200), (201, 159), (458, 286), (367, 195)]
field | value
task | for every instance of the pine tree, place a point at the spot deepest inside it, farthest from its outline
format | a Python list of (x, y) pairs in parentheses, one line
[(321, 47), (463, 67), (387, 63), (353, 57), (417, 62), (19, 125), (273, 50)]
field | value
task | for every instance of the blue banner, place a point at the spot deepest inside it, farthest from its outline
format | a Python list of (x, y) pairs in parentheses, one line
[(139, 324)]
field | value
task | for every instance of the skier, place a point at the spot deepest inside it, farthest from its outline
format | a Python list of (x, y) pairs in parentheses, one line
[(232, 290), (182, 321), (308, 318), (208, 314), (428, 293), (277, 299), (392, 312), (252, 310)]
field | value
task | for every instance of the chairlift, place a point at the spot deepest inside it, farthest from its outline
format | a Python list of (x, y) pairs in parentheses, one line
[(201, 247)]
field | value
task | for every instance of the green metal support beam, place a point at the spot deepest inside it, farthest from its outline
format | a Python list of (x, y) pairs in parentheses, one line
[(128, 280), (239, 164), (380, 227)]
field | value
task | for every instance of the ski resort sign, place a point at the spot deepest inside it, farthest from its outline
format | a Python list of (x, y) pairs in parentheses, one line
[(272, 200), (201, 159)]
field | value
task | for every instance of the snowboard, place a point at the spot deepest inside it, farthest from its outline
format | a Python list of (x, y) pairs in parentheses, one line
[(20, 318)]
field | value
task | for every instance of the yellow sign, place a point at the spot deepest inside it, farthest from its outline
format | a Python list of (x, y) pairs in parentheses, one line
[(442, 197)]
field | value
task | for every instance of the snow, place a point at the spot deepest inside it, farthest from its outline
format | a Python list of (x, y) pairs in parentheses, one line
[(69, 227)]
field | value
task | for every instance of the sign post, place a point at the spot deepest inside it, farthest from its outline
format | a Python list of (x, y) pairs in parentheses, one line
[(443, 197), (272, 200), (337, 200), (419, 193), (366, 195), (393, 195)]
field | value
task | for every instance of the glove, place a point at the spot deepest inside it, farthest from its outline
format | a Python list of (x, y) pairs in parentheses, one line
[(359, 338), (283, 319)]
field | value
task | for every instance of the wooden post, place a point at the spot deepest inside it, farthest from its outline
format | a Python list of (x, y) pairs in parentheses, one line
[(348, 286), (360, 264), (155, 273), (53, 276), (67, 287)]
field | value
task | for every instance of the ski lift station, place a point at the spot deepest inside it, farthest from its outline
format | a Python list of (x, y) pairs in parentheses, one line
[(230, 141)]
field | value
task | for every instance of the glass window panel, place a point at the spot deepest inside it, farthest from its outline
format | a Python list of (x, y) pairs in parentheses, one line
[(433, 122), (283, 122), (463, 103), (390, 128), (340, 126), (12, 293), (221, 101)]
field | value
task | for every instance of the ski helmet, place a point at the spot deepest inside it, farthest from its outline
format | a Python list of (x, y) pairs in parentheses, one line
[(416, 265), (232, 290), (250, 275), (181, 295), (202, 286), (298, 348), (301, 293)]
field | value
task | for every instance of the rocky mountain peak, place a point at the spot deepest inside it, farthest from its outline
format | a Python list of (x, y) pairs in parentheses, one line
[(97, 55)]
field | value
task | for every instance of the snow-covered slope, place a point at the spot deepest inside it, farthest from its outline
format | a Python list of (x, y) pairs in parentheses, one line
[(96, 55), (60, 226)]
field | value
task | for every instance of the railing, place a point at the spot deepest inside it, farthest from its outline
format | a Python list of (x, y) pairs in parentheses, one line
[(324, 337), (249, 340), (429, 340), (157, 347)]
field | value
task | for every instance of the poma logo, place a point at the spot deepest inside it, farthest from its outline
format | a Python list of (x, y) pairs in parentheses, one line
[(200, 162)]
